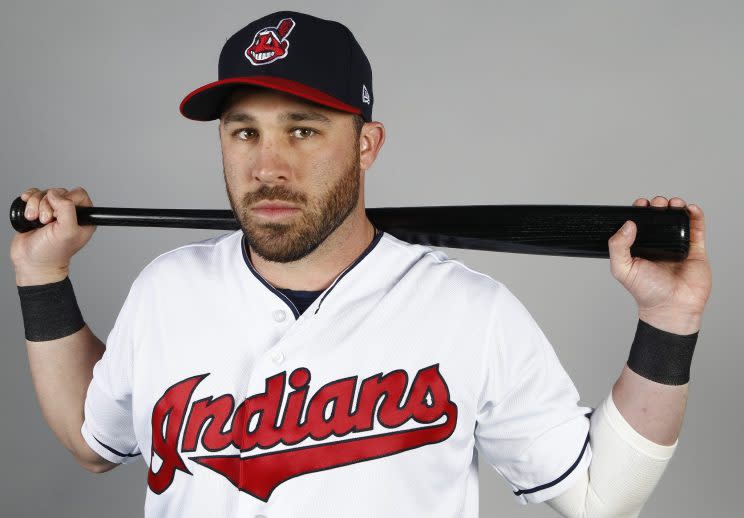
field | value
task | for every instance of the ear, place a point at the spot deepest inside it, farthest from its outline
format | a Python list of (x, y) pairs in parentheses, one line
[(371, 139)]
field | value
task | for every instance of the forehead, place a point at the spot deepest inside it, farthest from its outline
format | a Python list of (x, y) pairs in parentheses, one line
[(263, 100)]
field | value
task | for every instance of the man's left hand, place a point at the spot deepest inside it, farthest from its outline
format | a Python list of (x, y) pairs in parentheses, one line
[(671, 295)]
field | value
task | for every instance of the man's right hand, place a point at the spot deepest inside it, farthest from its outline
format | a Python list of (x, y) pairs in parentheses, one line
[(43, 255)]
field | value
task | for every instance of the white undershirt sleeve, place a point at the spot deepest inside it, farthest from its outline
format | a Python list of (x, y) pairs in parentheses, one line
[(624, 470)]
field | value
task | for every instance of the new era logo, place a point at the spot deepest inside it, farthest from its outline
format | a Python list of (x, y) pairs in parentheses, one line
[(365, 94)]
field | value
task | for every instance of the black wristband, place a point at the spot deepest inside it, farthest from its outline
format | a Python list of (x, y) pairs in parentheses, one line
[(50, 311), (661, 356)]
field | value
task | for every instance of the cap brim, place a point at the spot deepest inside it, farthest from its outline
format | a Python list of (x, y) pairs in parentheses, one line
[(205, 103)]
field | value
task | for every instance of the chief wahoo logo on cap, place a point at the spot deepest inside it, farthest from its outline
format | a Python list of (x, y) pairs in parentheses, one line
[(270, 43)]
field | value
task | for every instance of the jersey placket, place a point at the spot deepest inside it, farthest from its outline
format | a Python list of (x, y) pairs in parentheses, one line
[(270, 361), (286, 315)]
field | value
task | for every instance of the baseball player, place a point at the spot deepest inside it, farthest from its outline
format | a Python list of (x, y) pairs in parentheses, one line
[(312, 365)]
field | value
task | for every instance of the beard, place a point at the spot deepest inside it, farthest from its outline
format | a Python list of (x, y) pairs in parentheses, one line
[(287, 242)]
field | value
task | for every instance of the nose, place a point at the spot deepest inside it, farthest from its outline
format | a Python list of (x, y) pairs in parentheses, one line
[(271, 163)]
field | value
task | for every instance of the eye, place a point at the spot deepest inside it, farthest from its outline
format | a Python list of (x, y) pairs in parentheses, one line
[(244, 133), (303, 133)]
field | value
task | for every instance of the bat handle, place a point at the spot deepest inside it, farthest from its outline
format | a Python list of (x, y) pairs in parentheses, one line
[(21, 224)]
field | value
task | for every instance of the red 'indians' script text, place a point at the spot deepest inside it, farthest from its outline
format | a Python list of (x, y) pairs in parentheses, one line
[(257, 424)]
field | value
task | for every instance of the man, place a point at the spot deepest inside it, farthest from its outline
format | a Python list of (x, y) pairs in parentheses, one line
[(311, 365)]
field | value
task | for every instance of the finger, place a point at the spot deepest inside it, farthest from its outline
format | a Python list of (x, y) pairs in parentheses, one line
[(659, 201), (80, 197), (619, 247), (32, 205), (640, 202), (63, 207), (46, 211), (25, 194), (697, 232), (677, 202)]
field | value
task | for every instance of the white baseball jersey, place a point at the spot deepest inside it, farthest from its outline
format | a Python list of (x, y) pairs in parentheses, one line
[(378, 400)]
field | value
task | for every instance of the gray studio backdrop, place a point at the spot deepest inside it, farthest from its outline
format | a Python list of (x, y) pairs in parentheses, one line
[(484, 103)]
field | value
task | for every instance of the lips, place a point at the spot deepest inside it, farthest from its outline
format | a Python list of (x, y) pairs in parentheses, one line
[(273, 205), (274, 209)]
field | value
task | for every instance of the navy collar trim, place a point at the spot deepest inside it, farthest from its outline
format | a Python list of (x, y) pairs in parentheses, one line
[(282, 296), (375, 240), (287, 300)]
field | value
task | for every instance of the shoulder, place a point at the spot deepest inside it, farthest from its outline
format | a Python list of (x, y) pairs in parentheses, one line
[(197, 260), (434, 268)]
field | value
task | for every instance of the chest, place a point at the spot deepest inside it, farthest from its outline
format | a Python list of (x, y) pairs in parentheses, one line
[(232, 390)]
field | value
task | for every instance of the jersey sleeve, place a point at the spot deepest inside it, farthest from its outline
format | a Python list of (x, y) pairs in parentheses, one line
[(529, 425), (108, 425)]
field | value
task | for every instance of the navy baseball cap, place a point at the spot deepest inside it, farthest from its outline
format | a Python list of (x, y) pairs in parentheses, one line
[(312, 58)]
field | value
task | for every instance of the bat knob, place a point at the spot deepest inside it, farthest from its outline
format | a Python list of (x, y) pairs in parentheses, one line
[(17, 218)]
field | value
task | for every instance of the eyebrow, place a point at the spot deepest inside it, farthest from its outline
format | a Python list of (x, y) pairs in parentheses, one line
[(300, 116)]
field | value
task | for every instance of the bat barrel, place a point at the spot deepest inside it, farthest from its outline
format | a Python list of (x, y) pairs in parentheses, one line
[(564, 230)]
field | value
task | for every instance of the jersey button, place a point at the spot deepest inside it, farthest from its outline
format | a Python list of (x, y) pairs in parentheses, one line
[(279, 315), (278, 357)]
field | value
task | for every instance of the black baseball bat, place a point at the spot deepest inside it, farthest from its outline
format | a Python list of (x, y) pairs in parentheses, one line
[(563, 230)]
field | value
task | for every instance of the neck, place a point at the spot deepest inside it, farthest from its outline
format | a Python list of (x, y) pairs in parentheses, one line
[(317, 270)]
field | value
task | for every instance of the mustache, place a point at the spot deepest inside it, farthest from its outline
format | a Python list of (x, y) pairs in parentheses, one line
[(278, 192)]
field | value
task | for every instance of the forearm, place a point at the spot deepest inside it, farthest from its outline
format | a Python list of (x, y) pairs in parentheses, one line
[(634, 430), (656, 409), (61, 371), (653, 409)]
